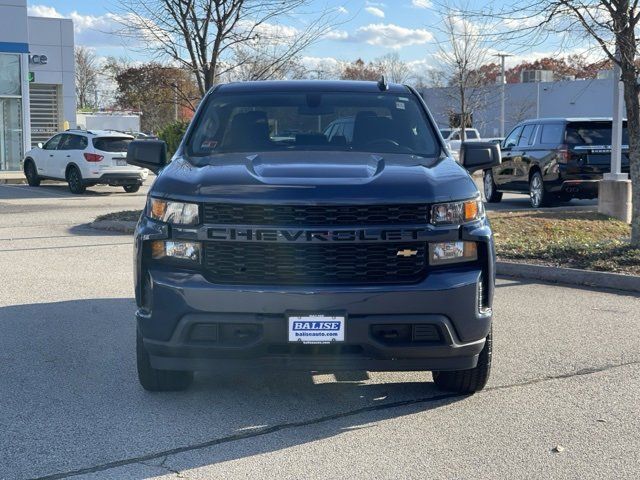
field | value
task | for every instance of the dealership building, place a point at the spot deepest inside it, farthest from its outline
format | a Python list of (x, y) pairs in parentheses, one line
[(37, 80)]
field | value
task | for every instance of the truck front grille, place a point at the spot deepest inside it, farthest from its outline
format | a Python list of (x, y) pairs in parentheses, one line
[(315, 215), (246, 263)]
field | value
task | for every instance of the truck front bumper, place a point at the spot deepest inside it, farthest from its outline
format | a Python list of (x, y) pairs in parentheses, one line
[(433, 325)]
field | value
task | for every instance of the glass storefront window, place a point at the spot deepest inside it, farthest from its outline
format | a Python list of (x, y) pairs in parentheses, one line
[(10, 133), (10, 75), (11, 142)]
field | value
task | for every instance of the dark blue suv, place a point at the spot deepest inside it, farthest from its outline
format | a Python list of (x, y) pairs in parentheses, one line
[(266, 242)]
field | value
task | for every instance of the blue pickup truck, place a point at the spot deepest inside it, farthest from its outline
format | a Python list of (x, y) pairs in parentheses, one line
[(315, 225)]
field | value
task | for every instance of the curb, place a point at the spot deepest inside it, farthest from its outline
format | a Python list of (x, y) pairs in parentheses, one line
[(114, 225), (12, 181), (570, 276)]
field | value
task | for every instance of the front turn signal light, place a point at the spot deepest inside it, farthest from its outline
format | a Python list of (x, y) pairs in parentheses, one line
[(457, 213), (189, 251)]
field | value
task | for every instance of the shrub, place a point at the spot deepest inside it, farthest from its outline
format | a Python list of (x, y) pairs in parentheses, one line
[(172, 134)]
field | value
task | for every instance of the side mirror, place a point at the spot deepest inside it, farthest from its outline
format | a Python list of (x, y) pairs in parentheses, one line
[(151, 154), (479, 155), (39, 145)]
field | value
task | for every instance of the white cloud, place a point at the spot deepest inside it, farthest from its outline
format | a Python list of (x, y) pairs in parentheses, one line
[(342, 10), (464, 27), (276, 33), (102, 30), (336, 35), (421, 3), (523, 22), (418, 67), (322, 67), (390, 35), (375, 11), (43, 11)]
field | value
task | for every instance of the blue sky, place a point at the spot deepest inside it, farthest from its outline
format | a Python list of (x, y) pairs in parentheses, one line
[(370, 29)]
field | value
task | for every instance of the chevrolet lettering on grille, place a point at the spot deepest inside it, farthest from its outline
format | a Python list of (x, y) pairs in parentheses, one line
[(234, 234)]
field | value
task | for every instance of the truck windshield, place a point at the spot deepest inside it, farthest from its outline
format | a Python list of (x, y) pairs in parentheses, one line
[(364, 122)]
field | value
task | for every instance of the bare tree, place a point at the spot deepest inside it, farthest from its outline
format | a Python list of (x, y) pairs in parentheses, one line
[(359, 70), (324, 69), (611, 25), (394, 68), (87, 72), (521, 110), (262, 63), (204, 35), (461, 52)]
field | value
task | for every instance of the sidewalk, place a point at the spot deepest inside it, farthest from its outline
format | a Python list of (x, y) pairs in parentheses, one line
[(12, 177)]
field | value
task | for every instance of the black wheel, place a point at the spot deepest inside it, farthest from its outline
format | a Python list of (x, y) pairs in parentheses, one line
[(538, 196), (74, 179), (31, 173), (131, 188), (467, 381), (491, 194), (155, 380)]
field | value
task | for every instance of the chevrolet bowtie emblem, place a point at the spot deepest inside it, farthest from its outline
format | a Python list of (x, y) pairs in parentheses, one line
[(406, 253)]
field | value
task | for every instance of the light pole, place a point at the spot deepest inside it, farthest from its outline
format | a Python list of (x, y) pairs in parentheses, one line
[(503, 81), (614, 190), (616, 127)]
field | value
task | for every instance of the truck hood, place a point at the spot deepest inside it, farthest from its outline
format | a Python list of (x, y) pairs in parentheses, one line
[(315, 178)]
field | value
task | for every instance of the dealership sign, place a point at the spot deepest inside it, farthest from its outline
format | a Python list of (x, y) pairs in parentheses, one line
[(38, 59)]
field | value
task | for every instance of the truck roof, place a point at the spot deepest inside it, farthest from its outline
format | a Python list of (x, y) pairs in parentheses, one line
[(309, 86)]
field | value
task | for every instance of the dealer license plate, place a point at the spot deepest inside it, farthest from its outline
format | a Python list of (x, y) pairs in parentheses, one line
[(316, 328)]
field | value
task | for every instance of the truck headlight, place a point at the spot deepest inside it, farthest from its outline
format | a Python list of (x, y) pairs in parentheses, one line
[(176, 213), (456, 213), (443, 253), (189, 251)]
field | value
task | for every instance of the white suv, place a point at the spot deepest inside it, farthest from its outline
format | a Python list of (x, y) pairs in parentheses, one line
[(84, 158), (452, 137)]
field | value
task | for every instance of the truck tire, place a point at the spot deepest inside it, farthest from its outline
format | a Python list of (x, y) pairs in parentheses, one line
[(491, 193), (74, 179), (30, 171), (538, 195), (154, 380), (467, 381), (131, 188)]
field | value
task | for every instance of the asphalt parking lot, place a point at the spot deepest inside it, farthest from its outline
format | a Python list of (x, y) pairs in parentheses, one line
[(566, 374)]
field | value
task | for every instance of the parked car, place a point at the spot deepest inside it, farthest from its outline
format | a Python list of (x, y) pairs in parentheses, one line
[(340, 130), (554, 159), (452, 137), (84, 158), (369, 253)]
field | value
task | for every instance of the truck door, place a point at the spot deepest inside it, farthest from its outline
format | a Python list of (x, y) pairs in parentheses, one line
[(523, 158), (504, 174)]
